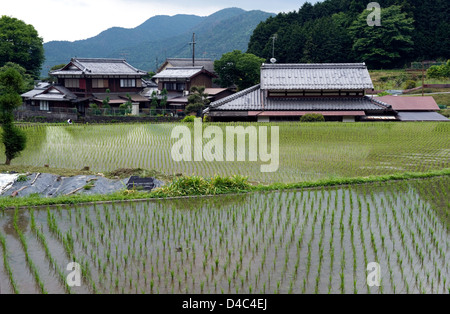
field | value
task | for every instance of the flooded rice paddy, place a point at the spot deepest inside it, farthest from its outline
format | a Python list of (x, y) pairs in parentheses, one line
[(303, 241)]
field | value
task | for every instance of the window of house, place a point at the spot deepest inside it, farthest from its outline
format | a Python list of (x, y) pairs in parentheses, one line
[(72, 83), (43, 105), (100, 83), (181, 87), (170, 86), (127, 83)]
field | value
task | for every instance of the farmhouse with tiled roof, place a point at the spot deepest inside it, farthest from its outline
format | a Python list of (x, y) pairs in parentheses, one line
[(337, 91), (289, 91), (87, 80)]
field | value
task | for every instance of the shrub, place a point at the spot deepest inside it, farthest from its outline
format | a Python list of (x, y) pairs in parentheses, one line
[(206, 119), (384, 94), (410, 84), (95, 110), (400, 79), (189, 119), (312, 117), (185, 186), (126, 108), (445, 113), (439, 71), (194, 108)]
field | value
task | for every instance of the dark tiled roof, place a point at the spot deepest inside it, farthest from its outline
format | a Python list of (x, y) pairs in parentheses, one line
[(329, 76), (208, 64), (39, 88), (56, 93), (181, 73), (250, 100), (91, 67), (250, 95)]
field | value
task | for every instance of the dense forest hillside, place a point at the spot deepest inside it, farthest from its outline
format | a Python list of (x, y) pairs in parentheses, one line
[(337, 31)]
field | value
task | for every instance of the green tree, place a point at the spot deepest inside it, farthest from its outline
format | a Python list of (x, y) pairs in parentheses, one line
[(385, 45), (28, 81), (163, 102), (149, 75), (154, 102), (13, 138), (328, 41), (21, 44), (105, 102), (127, 107), (57, 67), (197, 100), (431, 34), (237, 68)]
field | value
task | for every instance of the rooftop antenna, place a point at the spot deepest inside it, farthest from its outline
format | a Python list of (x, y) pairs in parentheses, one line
[(193, 43), (124, 55), (274, 38)]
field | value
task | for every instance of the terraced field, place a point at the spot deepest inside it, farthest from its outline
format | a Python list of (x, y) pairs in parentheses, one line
[(306, 152), (301, 241)]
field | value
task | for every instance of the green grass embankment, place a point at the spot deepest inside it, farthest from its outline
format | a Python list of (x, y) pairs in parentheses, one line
[(198, 186)]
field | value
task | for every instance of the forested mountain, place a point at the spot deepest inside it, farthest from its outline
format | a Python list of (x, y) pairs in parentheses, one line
[(147, 45), (337, 31)]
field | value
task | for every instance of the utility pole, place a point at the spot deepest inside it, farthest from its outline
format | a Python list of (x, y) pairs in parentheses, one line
[(193, 43), (423, 78)]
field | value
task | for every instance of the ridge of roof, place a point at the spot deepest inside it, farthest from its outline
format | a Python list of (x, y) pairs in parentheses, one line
[(188, 59), (197, 67), (313, 65), (83, 65), (98, 60)]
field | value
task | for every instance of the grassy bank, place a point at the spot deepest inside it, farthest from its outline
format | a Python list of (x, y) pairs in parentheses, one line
[(197, 186)]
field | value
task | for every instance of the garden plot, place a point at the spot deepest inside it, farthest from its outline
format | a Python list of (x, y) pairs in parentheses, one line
[(304, 241)]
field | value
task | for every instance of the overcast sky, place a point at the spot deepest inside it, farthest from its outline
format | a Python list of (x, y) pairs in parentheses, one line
[(80, 19)]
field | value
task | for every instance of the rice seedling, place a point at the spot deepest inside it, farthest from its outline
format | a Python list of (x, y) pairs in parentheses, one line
[(282, 242), (30, 262), (110, 146)]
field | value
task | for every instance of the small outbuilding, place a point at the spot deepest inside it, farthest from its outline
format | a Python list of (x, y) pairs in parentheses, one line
[(414, 108)]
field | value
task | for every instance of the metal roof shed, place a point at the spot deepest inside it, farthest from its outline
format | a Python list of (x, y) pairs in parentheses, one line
[(421, 116)]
